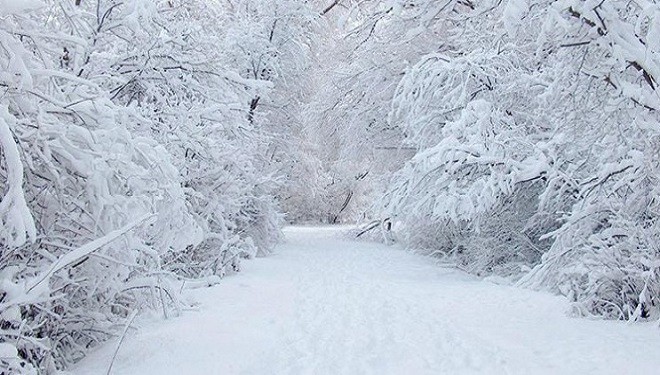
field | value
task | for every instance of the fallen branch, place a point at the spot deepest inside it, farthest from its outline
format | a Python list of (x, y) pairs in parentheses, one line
[(369, 227)]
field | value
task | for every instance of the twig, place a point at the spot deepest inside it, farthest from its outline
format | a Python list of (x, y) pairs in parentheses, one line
[(121, 339), (83, 251)]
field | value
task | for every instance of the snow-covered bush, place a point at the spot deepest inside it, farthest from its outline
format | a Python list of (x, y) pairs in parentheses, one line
[(128, 163), (605, 255), (480, 171), (537, 128), (92, 188)]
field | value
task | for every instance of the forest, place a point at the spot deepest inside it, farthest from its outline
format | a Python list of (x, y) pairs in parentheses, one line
[(151, 146)]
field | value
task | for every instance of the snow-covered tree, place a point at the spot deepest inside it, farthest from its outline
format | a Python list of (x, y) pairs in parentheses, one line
[(364, 49)]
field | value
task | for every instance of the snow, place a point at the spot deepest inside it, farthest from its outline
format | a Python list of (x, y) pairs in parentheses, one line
[(7, 350), (16, 222), (17, 6), (323, 304), (514, 11)]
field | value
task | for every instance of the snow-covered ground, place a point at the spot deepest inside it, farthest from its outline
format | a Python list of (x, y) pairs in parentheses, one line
[(326, 305)]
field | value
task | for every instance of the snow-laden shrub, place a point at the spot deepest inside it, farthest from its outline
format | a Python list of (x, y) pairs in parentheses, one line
[(479, 174), (104, 203), (126, 166), (546, 129), (605, 256), (199, 108)]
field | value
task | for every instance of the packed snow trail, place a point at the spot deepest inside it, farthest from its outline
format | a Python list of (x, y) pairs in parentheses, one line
[(327, 305)]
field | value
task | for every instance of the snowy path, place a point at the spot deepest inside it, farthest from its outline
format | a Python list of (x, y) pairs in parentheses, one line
[(323, 305)]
